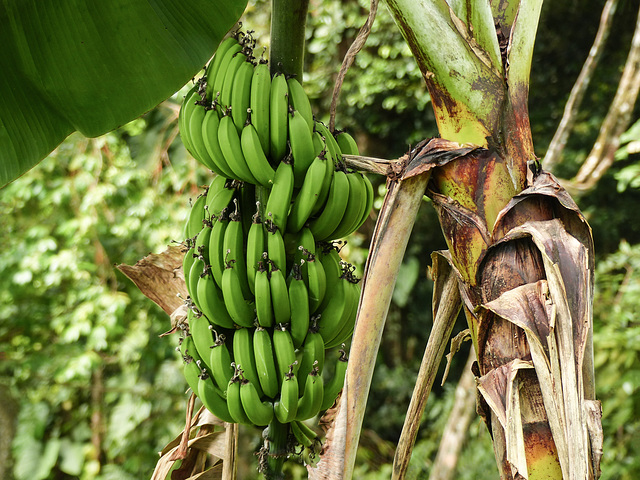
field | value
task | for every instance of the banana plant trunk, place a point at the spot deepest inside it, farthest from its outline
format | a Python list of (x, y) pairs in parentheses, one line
[(521, 249)]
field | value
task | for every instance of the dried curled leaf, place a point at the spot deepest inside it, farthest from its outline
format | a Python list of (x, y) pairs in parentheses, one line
[(201, 449), (160, 278)]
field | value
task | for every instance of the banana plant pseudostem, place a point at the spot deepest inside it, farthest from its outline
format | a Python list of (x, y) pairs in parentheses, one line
[(520, 259)]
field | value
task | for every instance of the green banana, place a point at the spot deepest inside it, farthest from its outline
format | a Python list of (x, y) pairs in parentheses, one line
[(193, 116), (202, 240), (347, 143), (265, 362), (216, 63), (299, 305), (220, 362), (259, 413), (233, 249), (187, 261), (220, 195), (195, 126), (368, 204), (355, 206), (197, 268), (232, 150), (279, 296), (196, 216), (311, 399), (300, 102), (228, 83), (262, 288), (302, 244), (193, 365), (211, 303), (255, 157), (312, 356), (333, 387), (286, 407), (330, 259), (275, 247), (234, 402), (202, 335), (215, 188), (348, 322), (192, 371), (319, 145), (210, 127), (188, 104), (335, 311), (241, 95), (218, 80), (240, 310), (285, 352), (316, 281), (277, 208), (216, 246), (212, 399), (308, 194), (244, 356), (334, 209), (302, 148), (299, 435), (278, 114), (261, 104), (255, 249), (300, 428), (327, 181), (332, 145)]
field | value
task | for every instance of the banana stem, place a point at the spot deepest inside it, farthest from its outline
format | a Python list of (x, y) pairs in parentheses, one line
[(229, 466), (288, 24), (394, 225), (446, 306), (277, 435)]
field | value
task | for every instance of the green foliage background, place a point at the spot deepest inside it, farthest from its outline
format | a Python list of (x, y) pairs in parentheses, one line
[(96, 393)]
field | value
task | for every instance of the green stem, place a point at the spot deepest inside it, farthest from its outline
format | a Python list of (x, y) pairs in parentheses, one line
[(262, 195), (278, 438), (288, 23)]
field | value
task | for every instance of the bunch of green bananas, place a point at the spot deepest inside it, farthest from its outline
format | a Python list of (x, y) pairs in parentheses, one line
[(268, 290)]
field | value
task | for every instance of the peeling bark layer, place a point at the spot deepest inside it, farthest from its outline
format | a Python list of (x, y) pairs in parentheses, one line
[(526, 276)]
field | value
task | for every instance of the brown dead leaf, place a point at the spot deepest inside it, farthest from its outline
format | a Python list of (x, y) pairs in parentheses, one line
[(180, 452), (160, 278), (206, 444), (213, 443), (435, 152), (214, 473), (500, 388), (456, 343), (547, 196)]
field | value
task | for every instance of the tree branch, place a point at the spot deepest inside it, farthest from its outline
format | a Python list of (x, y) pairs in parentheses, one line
[(554, 152), (615, 123)]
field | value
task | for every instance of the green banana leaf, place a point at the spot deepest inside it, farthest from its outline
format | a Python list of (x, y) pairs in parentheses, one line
[(93, 66)]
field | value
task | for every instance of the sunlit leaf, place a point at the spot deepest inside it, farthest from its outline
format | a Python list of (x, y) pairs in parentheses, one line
[(94, 66)]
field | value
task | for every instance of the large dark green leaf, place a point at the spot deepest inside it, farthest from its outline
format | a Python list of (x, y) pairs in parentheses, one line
[(92, 66)]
